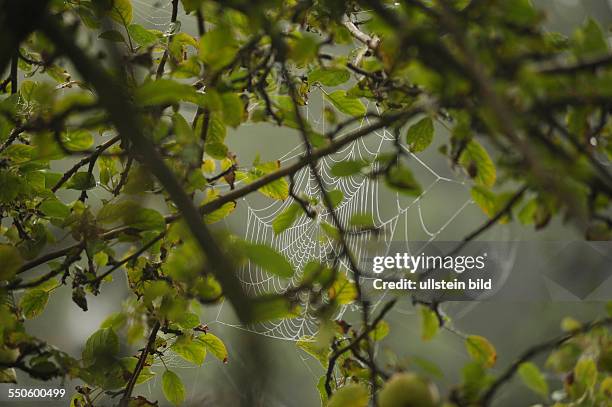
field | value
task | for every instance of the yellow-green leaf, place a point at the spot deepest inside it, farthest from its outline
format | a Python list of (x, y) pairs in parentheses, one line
[(351, 395), (481, 350), (478, 163), (215, 346), (347, 105), (533, 378), (173, 387), (429, 323), (420, 135), (33, 302), (11, 261)]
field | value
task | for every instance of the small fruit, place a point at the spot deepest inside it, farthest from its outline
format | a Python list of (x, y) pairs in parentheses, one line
[(408, 390)]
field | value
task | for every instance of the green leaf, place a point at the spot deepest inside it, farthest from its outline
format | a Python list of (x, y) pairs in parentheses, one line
[(348, 167), (420, 135), (481, 350), (478, 164), (315, 349), (380, 331), (121, 11), (485, 199), (351, 395), (345, 104), (54, 208), (164, 91), (286, 218), (268, 259), (533, 378), (8, 376), (112, 35), (173, 387), (218, 47), (343, 291), (78, 140), (363, 220), (142, 36), (111, 213), (335, 196), (278, 189), (429, 323), (11, 261), (269, 307), (145, 219), (34, 302), (81, 181), (329, 76), (590, 40), (585, 372), (11, 187), (189, 320), (215, 346), (400, 178), (101, 347), (233, 109), (191, 350)]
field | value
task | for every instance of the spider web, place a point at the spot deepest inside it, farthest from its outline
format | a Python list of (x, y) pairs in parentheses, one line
[(399, 217), (302, 242)]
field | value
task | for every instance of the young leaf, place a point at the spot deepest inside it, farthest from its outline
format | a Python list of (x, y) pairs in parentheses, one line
[(54, 208), (347, 167), (420, 135), (345, 104), (173, 387), (481, 350), (329, 76), (164, 91), (362, 220), (268, 259), (142, 36), (81, 181), (77, 140), (335, 196), (429, 323), (33, 302), (478, 164), (191, 350), (351, 395), (286, 218), (215, 346), (533, 378), (101, 347), (112, 35), (121, 11), (145, 219), (400, 178), (11, 260)]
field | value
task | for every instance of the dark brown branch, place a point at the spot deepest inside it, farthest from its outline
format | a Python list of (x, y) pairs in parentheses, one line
[(354, 343), (13, 75), (149, 348), (164, 58), (91, 159)]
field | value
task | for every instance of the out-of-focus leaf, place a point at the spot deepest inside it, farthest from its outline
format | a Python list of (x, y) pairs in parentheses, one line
[(173, 387)]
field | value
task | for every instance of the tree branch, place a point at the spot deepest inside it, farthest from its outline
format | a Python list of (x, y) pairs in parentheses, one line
[(125, 117), (534, 351), (140, 365)]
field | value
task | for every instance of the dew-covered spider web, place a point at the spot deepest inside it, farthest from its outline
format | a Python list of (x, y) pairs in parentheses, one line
[(395, 217), (444, 197)]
